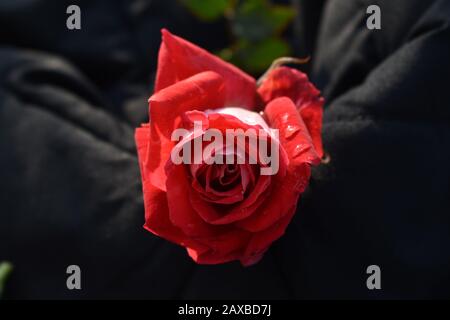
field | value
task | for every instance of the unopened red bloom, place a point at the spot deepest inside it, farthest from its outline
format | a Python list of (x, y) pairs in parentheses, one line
[(223, 212)]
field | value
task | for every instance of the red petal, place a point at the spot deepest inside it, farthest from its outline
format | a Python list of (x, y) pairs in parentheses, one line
[(284, 195), (179, 59), (208, 193), (243, 210), (295, 140), (157, 219), (142, 139), (155, 203), (181, 212), (226, 247), (288, 82), (199, 92), (294, 135), (214, 216), (261, 241), (211, 257)]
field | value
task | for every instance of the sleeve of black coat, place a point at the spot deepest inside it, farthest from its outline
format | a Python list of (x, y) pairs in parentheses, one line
[(384, 197)]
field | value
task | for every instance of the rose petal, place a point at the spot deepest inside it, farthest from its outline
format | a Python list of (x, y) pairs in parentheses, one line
[(208, 194), (210, 213), (179, 59), (157, 219), (223, 248), (286, 191), (156, 206), (250, 118), (294, 136), (181, 212), (282, 115), (215, 216), (196, 93), (289, 82), (261, 241), (142, 139)]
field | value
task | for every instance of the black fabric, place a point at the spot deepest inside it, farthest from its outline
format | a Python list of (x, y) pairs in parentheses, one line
[(70, 188)]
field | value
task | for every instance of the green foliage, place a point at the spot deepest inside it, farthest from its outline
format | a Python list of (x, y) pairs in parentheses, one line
[(5, 270), (256, 27), (256, 20), (207, 10), (256, 57)]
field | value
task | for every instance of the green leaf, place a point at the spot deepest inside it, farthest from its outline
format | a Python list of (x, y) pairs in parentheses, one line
[(256, 20), (281, 16), (207, 10), (226, 54), (257, 57), (251, 22), (5, 270)]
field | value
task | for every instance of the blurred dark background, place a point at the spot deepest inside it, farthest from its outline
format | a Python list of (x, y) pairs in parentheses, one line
[(70, 188)]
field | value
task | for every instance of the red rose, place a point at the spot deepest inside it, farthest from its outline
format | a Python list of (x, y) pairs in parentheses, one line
[(224, 212)]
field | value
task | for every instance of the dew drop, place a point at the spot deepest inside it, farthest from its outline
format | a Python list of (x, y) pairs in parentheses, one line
[(285, 118), (299, 149), (290, 131)]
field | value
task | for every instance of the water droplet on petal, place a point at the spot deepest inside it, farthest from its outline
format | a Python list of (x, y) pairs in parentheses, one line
[(290, 131), (299, 149)]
